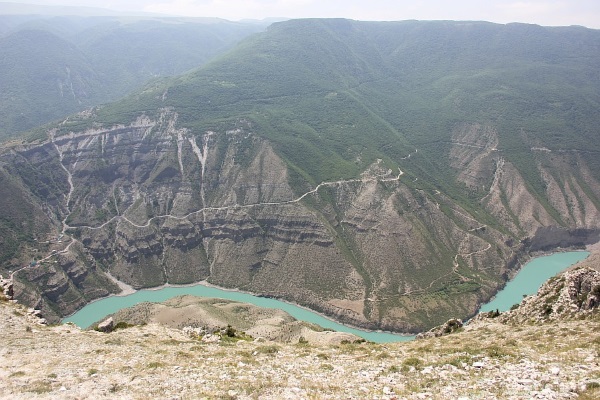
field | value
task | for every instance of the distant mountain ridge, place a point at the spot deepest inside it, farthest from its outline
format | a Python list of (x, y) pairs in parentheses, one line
[(388, 174), (52, 66)]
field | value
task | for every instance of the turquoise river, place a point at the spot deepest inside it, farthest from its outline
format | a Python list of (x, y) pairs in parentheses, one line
[(530, 278), (527, 281)]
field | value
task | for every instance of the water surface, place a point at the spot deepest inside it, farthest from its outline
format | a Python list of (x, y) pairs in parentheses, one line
[(527, 281), (99, 309), (530, 278)]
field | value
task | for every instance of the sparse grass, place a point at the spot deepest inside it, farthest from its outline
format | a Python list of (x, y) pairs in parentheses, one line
[(497, 352), (122, 325), (348, 347), (16, 374), (172, 342), (268, 349), (414, 362), (221, 354), (458, 360), (592, 392), (39, 387), (92, 371), (155, 364), (326, 367), (428, 348), (183, 354)]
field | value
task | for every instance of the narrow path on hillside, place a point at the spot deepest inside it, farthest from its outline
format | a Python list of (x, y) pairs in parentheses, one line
[(63, 251), (239, 206), (460, 253)]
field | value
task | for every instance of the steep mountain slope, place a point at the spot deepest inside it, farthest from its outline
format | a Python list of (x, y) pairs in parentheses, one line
[(53, 66), (37, 64), (388, 174)]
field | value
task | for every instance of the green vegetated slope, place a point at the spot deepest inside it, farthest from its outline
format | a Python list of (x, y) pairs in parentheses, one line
[(492, 128), (53, 66), (43, 77), (329, 92)]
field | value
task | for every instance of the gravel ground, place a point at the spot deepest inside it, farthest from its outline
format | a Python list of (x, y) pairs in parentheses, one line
[(488, 360)]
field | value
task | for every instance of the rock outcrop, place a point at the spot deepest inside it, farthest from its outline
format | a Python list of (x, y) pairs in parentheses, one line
[(106, 326), (574, 294), (6, 288), (451, 326)]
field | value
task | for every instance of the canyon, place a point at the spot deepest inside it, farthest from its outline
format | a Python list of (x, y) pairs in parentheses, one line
[(298, 168)]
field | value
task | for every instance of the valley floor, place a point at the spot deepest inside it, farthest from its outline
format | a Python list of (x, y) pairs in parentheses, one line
[(486, 361)]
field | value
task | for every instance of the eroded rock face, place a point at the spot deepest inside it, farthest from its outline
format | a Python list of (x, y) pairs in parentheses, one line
[(62, 284), (152, 203), (567, 198), (549, 238)]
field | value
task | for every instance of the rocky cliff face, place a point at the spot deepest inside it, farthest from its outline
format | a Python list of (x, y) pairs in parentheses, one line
[(152, 203), (567, 197)]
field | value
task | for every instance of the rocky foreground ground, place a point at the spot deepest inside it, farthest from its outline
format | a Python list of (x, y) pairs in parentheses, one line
[(491, 358)]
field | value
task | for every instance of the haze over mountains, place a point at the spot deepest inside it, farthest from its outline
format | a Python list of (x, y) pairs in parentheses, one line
[(34, 11), (389, 174), (54, 65)]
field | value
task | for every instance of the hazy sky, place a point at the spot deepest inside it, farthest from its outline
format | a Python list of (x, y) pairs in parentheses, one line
[(543, 12)]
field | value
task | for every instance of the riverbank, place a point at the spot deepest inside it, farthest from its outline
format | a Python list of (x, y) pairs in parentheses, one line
[(128, 290), (125, 288), (100, 308)]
